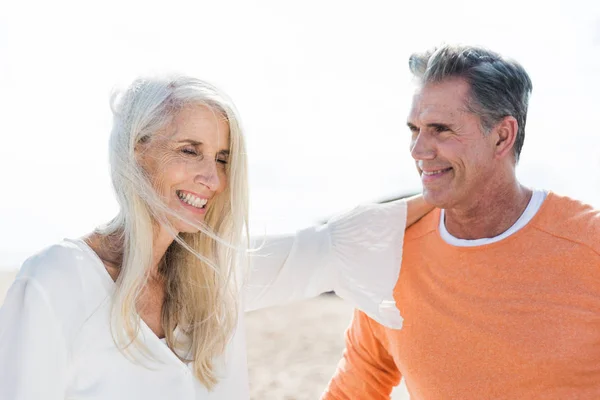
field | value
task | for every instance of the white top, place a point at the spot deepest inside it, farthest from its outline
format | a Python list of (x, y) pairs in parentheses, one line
[(55, 340), (537, 198)]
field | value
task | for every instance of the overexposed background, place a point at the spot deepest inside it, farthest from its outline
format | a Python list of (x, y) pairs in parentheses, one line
[(323, 88)]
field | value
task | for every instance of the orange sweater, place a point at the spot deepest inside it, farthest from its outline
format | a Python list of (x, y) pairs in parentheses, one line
[(515, 319)]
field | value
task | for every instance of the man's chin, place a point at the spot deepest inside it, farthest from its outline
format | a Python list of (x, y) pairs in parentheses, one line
[(436, 198)]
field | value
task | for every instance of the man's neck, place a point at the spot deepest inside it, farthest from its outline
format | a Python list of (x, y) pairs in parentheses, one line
[(488, 216)]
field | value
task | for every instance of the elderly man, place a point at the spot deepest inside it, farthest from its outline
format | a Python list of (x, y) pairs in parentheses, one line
[(499, 286)]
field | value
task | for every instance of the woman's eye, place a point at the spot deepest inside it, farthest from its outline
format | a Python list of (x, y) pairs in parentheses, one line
[(222, 161)]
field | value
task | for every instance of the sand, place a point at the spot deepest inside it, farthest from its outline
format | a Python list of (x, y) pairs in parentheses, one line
[(293, 350)]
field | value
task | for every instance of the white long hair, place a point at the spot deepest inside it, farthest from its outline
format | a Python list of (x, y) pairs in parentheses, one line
[(199, 268)]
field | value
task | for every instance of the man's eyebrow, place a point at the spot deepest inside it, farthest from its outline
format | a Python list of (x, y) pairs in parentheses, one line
[(431, 125), (439, 125)]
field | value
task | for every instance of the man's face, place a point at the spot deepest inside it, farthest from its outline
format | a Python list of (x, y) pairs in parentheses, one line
[(453, 156)]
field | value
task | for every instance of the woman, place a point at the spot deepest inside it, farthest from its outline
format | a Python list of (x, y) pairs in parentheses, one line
[(148, 306)]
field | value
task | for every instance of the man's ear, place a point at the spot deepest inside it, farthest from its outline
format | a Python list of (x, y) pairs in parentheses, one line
[(505, 133)]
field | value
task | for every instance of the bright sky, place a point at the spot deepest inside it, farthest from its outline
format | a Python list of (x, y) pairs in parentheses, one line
[(322, 86)]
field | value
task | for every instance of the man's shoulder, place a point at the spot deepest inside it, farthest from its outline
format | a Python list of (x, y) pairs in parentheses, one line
[(571, 220), (426, 225)]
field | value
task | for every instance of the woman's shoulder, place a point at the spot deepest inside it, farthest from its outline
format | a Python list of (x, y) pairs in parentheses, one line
[(67, 276), (60, 265)]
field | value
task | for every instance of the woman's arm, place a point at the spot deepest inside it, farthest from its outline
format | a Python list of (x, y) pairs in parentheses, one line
[(288, 268), (417, 209), (357, 254), (32, 348)]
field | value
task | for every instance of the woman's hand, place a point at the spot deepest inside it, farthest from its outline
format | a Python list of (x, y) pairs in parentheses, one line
[(417, 208)]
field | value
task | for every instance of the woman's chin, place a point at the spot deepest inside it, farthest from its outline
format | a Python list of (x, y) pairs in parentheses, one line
[(183, 227), (183, 224)]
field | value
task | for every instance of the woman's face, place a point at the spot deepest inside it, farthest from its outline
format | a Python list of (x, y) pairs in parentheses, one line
[(187, 162)]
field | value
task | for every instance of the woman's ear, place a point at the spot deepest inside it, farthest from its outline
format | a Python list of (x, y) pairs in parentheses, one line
[(142, 142), (140, 149)]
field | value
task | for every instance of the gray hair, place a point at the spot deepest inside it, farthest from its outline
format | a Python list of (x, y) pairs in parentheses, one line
[(201, 297), (499, 87)]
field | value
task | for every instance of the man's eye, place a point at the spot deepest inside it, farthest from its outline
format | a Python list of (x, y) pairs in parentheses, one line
[(189, 151)]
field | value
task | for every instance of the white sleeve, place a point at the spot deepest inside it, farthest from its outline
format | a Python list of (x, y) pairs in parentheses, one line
[(32, 348), (357, 254), (367, 255), (289, 268)]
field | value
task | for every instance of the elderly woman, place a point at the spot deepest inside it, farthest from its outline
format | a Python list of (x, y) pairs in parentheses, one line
[(151, 305)]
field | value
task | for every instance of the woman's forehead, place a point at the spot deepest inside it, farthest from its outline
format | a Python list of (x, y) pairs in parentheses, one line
[(199, 123)]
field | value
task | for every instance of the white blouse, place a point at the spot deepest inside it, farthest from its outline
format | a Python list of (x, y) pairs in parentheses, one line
[(55, 338)]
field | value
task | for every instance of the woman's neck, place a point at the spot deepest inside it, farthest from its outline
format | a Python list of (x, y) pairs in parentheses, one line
[(110, 249)]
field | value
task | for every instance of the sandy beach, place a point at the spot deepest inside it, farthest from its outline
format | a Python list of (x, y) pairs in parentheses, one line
[(293, 350)]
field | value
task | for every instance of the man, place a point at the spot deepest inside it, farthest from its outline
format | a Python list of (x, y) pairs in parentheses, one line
[(500, 286)]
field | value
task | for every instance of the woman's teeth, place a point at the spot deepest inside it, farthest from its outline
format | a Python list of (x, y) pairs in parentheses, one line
[(192, 200)]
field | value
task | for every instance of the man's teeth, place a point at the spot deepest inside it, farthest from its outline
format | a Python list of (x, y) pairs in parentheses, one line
[(435, 172), (192, 200)]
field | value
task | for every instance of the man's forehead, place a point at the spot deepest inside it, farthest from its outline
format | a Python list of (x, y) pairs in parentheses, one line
[(432, 110), (436, 102)]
